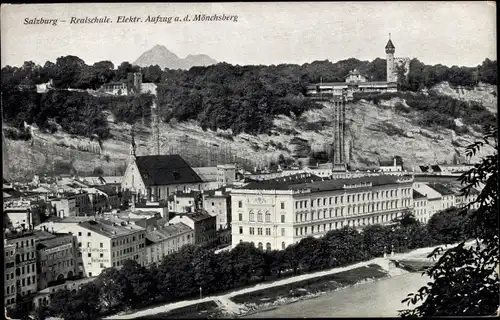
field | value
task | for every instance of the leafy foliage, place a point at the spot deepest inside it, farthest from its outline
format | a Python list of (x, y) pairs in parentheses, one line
[(465, 279)]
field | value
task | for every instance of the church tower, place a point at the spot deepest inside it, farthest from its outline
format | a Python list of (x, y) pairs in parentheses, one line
[(389, 50), (132, 145)]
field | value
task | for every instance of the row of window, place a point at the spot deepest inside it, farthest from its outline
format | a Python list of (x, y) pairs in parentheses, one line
[(60, 254), (351, 210), (22, 244), (251, 216), (352, 198), (26, 270), (268, 246), (240, 204), (259, 231)]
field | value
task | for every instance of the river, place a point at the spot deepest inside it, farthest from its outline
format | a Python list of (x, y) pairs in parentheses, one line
[(380, 298)]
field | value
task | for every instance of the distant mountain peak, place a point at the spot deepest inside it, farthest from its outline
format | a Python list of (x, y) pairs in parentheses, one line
[(160, 55)]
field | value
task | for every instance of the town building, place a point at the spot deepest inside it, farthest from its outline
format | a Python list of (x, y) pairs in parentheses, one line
[(56, 258), (447, 195), (183, 201), (42, 298), (167, 239), (20, 277), (21, 214), (218, 204), (102, 242), (152, 207), (64, 206), (203, 224), (420, 207), (274, 215), (226, 174), (396, 165), (156, 177), (209, 176), (434, 203)]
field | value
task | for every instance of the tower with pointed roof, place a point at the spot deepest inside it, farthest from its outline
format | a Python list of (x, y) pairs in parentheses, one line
[(389, 51), (132, 145)]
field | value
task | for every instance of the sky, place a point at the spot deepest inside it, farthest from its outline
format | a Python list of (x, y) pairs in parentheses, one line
[(449, 33)]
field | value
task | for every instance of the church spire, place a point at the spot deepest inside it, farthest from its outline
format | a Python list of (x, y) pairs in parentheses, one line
[(390, 48), (132, 143)]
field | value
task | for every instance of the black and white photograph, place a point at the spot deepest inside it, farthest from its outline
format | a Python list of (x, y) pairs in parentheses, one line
[(250, 160)]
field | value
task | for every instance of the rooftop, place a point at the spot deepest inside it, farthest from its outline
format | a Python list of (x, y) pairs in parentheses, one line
[(110, 228), (165, 170), (442, 189), (166, 232), (196, 216), (417, 195), (59, 240), (325, 185), (108, 190)]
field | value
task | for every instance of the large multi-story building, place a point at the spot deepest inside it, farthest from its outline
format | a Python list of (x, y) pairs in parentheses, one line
[(167, 239), (20, 277), (274, 215), (104, 242), (56, 259)]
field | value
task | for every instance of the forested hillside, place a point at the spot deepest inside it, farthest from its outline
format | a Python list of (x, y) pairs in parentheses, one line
[(222, 96)]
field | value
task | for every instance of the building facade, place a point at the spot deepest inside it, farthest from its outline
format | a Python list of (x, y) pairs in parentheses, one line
[(21, 276), (218, 204), (56, 259), (276, 215), (104, 243), (165, 240), (203, 224)]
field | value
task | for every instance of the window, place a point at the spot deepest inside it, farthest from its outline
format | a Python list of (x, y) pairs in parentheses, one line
[(282, 205), (282, 232), (268, 217), (268, 246), (252, 230), (282, 218), (252, 216), (80, 234), (240, 216), (261, 247), (101, 255), (268, 231), (88, 234), (259, 216), (259, 231), (89, 254), (240, 204), (283, 245), (241, 230), (101, 245)]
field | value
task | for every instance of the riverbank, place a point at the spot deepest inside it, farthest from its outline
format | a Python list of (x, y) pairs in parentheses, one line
[(231, 307)]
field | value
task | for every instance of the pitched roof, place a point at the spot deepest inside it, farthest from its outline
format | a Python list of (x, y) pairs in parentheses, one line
[(417, 195), (166, 169), (435, 168), (390, 45), (109, 190), (441, 188)]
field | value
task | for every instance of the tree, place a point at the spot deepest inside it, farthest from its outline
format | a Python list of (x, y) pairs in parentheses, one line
[(465, 279)]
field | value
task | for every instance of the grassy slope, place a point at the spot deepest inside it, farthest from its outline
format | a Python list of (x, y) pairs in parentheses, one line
[(374, 132)]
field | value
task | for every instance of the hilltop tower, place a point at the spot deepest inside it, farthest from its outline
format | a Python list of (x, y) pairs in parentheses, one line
[(389, 51)]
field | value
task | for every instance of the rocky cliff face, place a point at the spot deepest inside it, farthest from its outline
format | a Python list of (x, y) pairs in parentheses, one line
[(161, 56), (374, 132)]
